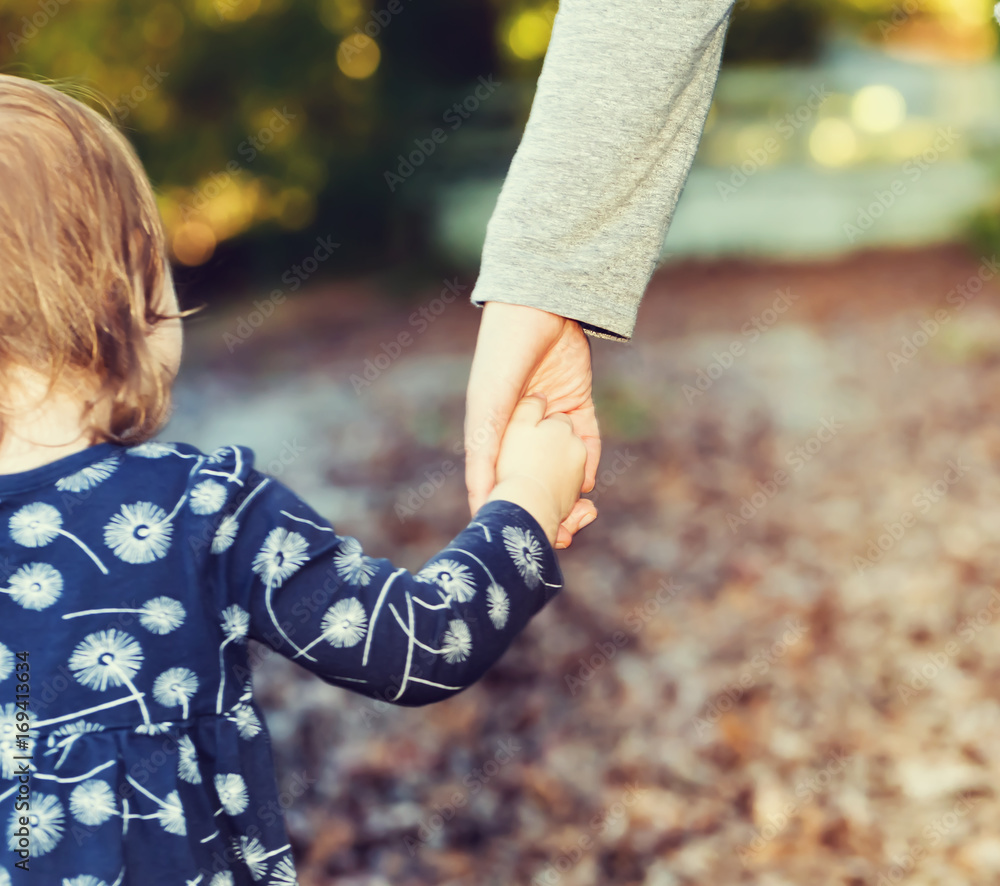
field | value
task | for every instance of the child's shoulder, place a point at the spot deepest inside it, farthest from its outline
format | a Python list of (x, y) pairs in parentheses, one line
[(177, 464)]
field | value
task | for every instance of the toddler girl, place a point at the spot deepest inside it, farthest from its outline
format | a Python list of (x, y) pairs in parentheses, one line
[(133, 573)]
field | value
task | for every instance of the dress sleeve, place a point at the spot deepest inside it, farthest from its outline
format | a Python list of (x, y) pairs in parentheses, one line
[(360, 622), (616, 119)]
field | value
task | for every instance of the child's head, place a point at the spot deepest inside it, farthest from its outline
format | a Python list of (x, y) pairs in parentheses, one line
[(87, 307)]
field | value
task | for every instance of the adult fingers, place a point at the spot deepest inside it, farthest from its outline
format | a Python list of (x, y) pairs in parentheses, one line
[(584, 513)]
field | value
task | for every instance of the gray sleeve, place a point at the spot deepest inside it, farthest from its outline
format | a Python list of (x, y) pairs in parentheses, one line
[(616, 119)]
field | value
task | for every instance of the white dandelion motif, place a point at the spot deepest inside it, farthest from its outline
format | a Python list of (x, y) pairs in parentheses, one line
[(345, 622), (187, 761), (235, 625), (109, 658), (35, 586), (225, 535), (83, 880), (139, 533), (150, 450), (4, 878), (63, 738), (453, 578), (92, 802), (45, 821), (457, 642), (207, 497), (6, 662), (498, 607), (153, 728), (10, 735), (253, 854), (352, 565), (161, 615), (88, 477), (344, 625), (170, 814), (223, 878), (526, 553), (284, 874), (37, 525), (281, 555), (232, 791), (175, 686), (247, 722)]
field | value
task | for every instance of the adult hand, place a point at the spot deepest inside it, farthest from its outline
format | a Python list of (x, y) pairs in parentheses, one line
[(521, 351)]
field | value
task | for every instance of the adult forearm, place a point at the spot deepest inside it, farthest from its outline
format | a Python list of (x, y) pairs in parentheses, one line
[(615, 123)]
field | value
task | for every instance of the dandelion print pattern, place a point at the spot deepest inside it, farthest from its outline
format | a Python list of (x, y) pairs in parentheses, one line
[(45, 821), (247, 722), (137, 777), (88, 477), (106, 658), (140, 533), (351, 564), (499, 605), (93, 802), (39, 524), (207, 497), (151, 450), (6, 662), (457, 642), (526, 553), (281, 556), (35, 586), (225, 535), (176, 686), (232, 791), (284, 874), (344, 623), (455, 579), (187, 761)]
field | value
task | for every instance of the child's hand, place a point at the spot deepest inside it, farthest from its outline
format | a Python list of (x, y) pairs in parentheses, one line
[(541, 462)]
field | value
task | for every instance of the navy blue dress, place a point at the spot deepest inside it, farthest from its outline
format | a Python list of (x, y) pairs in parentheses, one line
[(132, 752)]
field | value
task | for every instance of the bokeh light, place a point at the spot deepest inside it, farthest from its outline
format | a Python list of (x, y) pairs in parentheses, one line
[(358, 56), (529, 33), (193, 243), (833, 142), (878, 108)]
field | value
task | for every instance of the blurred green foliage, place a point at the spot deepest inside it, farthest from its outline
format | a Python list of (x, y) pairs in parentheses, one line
[(259, 139)]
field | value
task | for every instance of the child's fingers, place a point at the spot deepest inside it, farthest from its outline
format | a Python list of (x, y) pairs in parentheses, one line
[(530, 410)]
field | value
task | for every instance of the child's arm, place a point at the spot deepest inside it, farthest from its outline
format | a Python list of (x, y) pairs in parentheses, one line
[(411, 639)]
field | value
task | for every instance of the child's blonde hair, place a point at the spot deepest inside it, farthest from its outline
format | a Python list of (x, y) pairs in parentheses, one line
[(82, 260)]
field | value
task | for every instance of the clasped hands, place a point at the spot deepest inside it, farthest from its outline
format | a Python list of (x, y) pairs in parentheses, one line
[(531, 432)]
